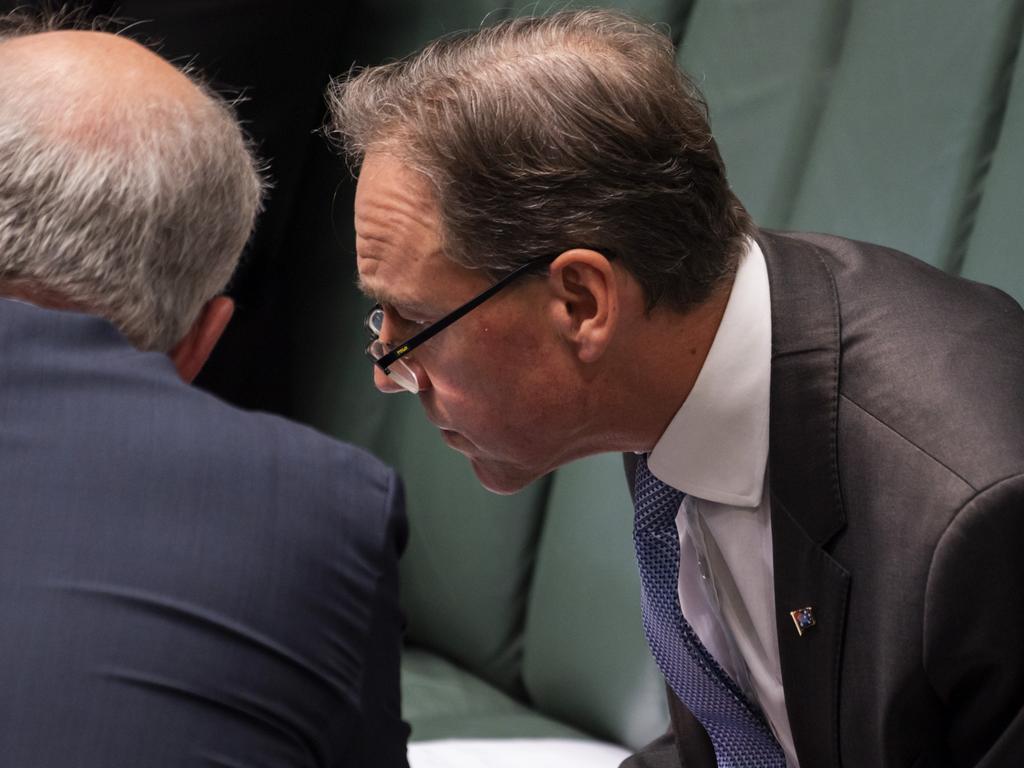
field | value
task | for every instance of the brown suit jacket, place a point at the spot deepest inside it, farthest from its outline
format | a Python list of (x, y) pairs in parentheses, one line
[(896, 471)]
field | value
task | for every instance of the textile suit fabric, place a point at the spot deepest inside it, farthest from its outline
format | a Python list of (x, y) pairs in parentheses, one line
[(183, 583), (896, 471)]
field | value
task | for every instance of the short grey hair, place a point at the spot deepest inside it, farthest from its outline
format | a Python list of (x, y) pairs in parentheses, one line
[(539, 134), (142, 222)]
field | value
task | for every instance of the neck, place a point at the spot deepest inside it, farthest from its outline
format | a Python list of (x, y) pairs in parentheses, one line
[(657, 368), (39, 295)]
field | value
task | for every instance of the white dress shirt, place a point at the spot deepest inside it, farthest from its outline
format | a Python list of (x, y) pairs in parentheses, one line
[(716, 451)]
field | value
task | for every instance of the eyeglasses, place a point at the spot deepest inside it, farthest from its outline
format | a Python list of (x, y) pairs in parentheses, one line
[(389, 357)]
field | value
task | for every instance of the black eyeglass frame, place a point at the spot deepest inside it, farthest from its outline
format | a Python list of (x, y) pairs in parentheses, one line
[(401, 350)]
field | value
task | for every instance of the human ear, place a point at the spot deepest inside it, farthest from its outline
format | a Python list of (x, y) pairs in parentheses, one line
[(585, 301), (190, 354)]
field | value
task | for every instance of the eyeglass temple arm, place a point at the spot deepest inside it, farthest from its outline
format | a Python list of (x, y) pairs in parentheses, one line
[(399, 352)]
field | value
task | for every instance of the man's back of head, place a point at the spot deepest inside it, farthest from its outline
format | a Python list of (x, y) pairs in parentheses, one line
[(126, 187)]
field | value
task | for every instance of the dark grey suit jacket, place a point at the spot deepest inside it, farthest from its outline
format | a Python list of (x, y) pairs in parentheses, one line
[(183, 583), (896, 469)]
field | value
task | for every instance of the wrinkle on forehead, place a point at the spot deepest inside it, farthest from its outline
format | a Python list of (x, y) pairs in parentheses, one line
[(394, 208), (398, 240)]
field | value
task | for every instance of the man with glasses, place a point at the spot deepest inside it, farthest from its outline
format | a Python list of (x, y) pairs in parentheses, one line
[(824, 436)]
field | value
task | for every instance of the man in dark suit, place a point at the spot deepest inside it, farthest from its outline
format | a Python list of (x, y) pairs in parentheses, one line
[(181, 582), (824, 436)]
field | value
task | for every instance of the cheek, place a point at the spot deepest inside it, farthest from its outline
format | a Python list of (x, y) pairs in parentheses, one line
[(481, 395), (494, 381), (491, 394), (517, 406), (492, 357)]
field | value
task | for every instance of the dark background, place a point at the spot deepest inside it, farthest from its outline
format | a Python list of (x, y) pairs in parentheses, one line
[(278, 58)]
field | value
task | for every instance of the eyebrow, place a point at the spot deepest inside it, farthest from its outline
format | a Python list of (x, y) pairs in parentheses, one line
[(383, 296)]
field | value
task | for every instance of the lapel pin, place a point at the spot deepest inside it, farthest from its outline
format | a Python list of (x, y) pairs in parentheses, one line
[(804, 619)]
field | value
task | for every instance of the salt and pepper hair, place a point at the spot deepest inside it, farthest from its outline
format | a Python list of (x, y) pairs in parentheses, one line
[(539, 134), (137, 213)]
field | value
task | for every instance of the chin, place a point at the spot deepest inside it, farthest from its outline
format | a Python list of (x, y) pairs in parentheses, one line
[(501, 479)]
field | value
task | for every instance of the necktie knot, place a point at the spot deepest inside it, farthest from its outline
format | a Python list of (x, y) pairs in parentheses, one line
[(657, 503)]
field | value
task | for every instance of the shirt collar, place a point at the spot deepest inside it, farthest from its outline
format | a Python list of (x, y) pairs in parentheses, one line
[(716, 446)]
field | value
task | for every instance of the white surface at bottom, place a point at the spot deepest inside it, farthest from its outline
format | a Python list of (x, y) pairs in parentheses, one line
[(515, 753)]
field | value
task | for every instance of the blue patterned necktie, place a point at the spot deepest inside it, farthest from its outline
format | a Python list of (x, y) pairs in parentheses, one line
[(738, 731)]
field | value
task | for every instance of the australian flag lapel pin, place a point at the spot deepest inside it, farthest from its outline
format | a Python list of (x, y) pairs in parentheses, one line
[(803, 618)]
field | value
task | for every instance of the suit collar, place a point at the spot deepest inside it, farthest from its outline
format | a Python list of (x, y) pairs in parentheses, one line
[(803, 458), (807, 508)]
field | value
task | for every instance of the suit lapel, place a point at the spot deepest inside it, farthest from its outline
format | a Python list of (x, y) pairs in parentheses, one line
[(807, 508)]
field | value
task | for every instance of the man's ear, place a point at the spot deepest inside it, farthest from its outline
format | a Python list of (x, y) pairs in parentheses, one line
[(190, 354), (586, 293)]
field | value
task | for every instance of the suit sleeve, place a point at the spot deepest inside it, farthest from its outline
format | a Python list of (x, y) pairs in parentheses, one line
[(383, 735), (974, 628)]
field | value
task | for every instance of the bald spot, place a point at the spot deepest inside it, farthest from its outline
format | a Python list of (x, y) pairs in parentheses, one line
[(84, 80)]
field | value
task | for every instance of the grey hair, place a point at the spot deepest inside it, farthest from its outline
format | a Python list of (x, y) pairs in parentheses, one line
[(545, 133), (141, 220)]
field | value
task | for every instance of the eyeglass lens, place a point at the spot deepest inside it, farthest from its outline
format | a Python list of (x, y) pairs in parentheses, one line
[(398, 371)]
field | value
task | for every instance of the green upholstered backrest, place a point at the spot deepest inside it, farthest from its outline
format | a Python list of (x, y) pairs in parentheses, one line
[(764, 69), (442, 701), (872, 119), (995, 250), (898, 151), (586, 660), (403, 26), (670, 12), (466, 574)]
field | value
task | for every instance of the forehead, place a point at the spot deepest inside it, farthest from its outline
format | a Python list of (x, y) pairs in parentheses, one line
[(398, 235)]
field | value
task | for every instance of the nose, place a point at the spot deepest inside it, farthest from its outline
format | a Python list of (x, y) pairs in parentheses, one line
[(405, 376), (385, 383)]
